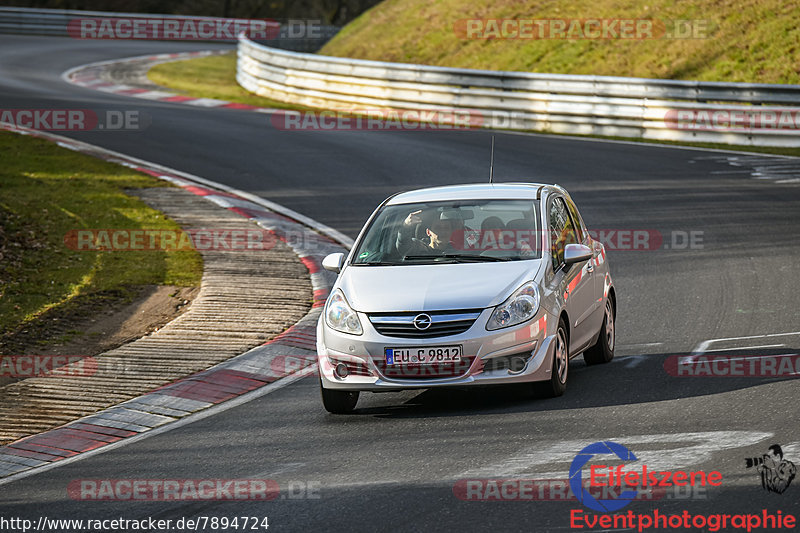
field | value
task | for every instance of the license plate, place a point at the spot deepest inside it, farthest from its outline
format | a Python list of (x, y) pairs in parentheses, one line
[(423, 355)]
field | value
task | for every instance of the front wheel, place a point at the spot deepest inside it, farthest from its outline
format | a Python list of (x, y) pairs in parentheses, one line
[(337, 401), (603, 349), (557, 383)]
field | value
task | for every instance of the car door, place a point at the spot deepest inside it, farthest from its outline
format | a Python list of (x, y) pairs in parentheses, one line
[(597, 267), (575, 283)]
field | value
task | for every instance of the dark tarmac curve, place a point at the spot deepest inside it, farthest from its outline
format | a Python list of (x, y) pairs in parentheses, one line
[(391, 466)]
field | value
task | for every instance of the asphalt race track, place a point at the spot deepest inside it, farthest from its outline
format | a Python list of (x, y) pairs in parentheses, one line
[(393, 464)]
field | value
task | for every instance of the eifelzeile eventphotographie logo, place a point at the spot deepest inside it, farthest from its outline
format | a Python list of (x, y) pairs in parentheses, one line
[(630, 478), (52, 119), (605, 477)]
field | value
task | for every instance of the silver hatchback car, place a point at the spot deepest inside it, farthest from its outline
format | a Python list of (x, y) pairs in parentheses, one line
[(462, 285)]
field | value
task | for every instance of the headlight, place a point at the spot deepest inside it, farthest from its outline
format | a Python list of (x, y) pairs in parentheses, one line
[(340, 316), (521, 306)]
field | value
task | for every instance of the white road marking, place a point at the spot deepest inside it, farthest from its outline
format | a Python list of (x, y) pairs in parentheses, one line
[(634, 362), (693, 449), (703, 346), (745, 348), (748, 357), (791, 452)]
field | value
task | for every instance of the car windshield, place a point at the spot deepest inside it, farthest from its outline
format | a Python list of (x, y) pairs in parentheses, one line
[(462, 231)]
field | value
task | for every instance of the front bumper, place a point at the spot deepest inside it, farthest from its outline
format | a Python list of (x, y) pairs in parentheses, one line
[(531, 340)]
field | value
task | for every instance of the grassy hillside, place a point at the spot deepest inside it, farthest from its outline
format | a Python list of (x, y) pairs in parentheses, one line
[(748, 40), (47, 191)]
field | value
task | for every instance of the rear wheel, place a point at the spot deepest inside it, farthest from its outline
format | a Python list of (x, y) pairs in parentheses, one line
[(337, 401), (603, 349), (557, 383)]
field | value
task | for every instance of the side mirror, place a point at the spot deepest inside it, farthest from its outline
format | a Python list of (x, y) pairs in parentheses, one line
[(576, 253), (334, 262)]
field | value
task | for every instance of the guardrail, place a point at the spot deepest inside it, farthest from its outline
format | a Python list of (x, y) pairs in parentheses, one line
[(732, 113), (302, 36)]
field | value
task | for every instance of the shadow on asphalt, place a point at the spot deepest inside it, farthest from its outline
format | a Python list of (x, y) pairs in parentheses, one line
[(626, 381)]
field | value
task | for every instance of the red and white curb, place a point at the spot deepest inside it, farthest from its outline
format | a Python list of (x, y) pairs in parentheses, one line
[(92, 76), (234, 381)]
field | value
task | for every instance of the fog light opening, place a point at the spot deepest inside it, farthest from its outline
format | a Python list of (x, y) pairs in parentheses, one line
[(517, 363), (341, 371), (513, 364)]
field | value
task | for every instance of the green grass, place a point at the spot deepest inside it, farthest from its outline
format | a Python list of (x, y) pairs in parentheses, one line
[(210, 77), (749, 40), (46, 191)]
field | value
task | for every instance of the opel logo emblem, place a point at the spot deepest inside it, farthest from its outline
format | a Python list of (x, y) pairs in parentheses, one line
[(422, 321)]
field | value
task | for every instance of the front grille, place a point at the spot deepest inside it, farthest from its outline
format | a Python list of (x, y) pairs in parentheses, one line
[(442, 323)]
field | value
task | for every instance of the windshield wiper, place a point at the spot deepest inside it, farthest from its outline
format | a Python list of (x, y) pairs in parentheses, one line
[(481, 258), (457, 257), (377, 263)]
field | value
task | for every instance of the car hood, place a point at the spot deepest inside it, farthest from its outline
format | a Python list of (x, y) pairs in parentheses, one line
[(375, 289)]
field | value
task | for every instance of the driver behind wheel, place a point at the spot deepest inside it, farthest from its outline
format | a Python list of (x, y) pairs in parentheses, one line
[(438, 233)]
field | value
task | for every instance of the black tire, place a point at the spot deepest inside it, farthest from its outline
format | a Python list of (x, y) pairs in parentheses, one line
[(557, 383), (603, 349), (338, 402)]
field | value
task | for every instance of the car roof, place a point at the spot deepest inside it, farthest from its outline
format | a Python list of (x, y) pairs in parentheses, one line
[(472, 191)]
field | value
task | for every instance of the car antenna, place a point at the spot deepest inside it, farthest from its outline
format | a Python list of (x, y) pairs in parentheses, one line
[(491, 163)]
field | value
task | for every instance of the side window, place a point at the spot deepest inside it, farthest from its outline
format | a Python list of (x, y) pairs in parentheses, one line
[(562, 231)]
